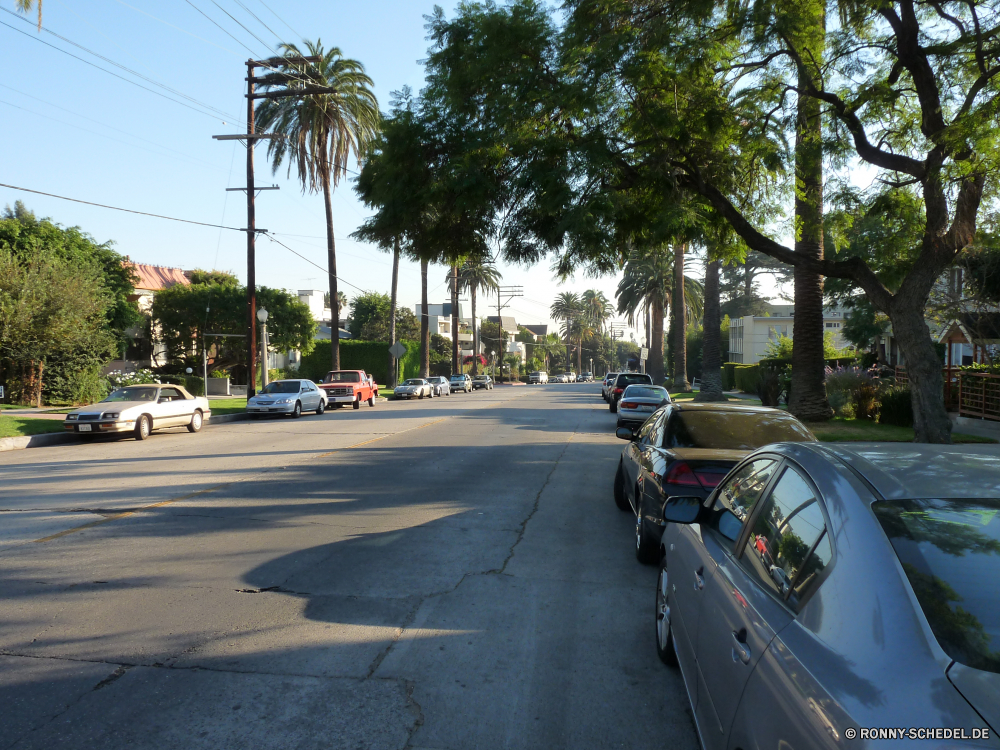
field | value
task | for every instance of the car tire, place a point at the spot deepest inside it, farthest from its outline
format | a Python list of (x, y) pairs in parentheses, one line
[(357, 403), (321, 408), (197, 419), (297, 411), (420, 395), (143, 427), (664, 631), (646, 546), (371, 400), (613, 407), (621, 499)]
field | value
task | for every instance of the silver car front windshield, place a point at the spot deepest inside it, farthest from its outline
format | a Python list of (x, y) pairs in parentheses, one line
[(281, 386), (132, 394)]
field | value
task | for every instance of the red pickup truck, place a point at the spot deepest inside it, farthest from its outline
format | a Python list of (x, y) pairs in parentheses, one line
[(349, 387)]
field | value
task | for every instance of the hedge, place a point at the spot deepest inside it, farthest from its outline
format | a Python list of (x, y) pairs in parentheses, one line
[(746, 378), (729, 375), (370, 356)]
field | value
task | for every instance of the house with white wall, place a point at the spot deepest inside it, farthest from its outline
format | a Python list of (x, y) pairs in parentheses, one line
[(750, 335)]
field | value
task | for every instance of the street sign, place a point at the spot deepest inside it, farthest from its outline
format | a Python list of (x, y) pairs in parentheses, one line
[(1, 391), (397, 350), (644, 353)]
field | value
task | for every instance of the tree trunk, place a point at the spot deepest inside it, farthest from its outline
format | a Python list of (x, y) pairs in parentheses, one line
[(454, 320), (392, 312), (579, 355), (931, 423), (808, 399), (331, 264), (425, 330), (655, 364), (711, 350), (475, 330), (680, 322)]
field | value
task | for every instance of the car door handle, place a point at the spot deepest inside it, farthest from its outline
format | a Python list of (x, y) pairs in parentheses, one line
[(741, 650), (699, 582)]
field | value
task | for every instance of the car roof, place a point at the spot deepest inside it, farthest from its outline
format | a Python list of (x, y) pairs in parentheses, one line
[(708, 406), (900, 471), (149, 385)]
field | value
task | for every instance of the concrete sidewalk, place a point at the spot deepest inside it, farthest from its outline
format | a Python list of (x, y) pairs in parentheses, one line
[(978, 427)]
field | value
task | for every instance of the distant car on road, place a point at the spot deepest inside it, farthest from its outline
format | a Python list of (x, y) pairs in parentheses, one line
[(880, 607), (460, 383), (442, 387), (539, 377), (287, 397), (622, 381), (570, 376), (482, 381), (638, 402), (586, 377), (139, 409), (414, 388), (349, 387), (609, 379), (686, 449), (560, 378)]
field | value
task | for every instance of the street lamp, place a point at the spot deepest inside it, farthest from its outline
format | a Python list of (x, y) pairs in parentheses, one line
[(262, 317)]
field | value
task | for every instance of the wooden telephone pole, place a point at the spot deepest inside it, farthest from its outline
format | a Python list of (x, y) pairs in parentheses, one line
[(251, 138)]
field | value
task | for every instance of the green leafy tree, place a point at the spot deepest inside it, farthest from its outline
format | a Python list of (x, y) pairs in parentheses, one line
[(335, 116), (474, 275)]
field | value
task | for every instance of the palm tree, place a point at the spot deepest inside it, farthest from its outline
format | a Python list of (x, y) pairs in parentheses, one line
[(319, 133), (566, 308), (475, 274), (711, 351), (24, 6), (646, 281), (548, 347), (596, 308)]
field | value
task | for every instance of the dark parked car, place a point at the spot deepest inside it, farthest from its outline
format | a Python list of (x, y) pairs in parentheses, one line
[(686, 449), (482, 381), (881, 608), (623, 381)]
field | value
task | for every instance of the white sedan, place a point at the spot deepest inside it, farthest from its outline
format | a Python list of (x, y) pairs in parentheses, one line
[(414, 388), (140, 409), (288, 397)]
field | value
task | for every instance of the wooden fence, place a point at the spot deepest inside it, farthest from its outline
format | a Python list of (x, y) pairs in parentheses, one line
[(952, 385), (979, 395)]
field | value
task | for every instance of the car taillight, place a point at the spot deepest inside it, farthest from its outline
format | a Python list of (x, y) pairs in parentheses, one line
[(628, 405), (619, 390), (684, 475)]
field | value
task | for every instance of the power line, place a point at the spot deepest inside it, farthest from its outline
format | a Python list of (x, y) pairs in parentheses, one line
[(276, 35), (311, 262), (178, 28), (280, 19), (112, 73), (224, 31), (235, 20)]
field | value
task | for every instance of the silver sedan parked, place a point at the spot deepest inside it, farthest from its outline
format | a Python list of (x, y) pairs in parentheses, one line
[(638, 402), (291, 397), (413, 388), (442, 387), (832, 596)]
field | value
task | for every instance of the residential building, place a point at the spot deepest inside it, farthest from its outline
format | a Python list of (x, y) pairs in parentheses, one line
[(540, 331), (439, 321), (510, 329), (750, 335), (145, 350)]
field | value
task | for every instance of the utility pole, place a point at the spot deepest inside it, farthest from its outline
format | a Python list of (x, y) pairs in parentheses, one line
[(510, 292), (251, 139)]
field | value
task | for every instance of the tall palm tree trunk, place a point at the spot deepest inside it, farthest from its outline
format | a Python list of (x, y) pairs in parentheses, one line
[(680, 322), (579, 355), (392, 312), (808, 400), (425, 329), (711, 350), (655, 341), (331, 263), (475, 331), (454, 319)]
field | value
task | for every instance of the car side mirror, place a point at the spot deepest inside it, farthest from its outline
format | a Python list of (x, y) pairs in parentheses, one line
[(681, 509), (624, 433)]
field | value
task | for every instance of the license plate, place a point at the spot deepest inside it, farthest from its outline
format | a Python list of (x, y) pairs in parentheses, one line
[(84, 428), (645, 407)]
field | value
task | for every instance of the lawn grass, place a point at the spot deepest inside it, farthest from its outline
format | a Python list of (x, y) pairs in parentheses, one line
[(840, 430), (221, 406), (19, 426), (385, 392)]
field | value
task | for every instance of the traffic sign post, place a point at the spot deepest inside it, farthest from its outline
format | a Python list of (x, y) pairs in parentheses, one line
[(644, 354), (398, 351)]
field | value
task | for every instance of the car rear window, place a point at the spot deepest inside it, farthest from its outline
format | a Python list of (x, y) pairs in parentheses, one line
[(627, 378), (342, 377), (950, 552), (282, 386), (732, 430), (638, 391)]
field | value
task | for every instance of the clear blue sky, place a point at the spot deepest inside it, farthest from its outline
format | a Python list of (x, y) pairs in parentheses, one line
[(73, 130)]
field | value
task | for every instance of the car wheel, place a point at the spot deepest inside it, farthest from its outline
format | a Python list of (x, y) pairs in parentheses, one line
[(371, 400), (321, 408), (621, 500), (646, 546), (664, 633), (196, 421), (143, 427), (357, 402), (297, 411), (420, 395), (613, 407)]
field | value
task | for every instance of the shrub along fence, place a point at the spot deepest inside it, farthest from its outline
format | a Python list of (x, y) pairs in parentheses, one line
[(370, 356)]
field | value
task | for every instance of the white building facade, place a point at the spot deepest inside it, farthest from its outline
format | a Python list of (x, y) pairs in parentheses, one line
[(750, 336)]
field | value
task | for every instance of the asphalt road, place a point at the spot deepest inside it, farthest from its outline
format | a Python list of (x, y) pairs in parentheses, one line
[(447, 573)]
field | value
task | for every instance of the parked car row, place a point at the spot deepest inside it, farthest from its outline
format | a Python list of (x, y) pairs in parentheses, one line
[(540, 377), (808, 592)]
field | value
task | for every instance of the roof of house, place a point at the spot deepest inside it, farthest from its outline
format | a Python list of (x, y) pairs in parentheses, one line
[(155, 278), (538, 329), (509, 324), (977, 328)]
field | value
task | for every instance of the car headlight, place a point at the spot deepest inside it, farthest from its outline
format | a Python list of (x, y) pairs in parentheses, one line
[(110, 415), (283, 401), (72, 417)]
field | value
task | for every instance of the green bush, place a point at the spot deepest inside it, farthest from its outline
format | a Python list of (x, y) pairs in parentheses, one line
[(896, 407), (194, 385), (370, 356), (729, 375), (746, 378), (865, 399)]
